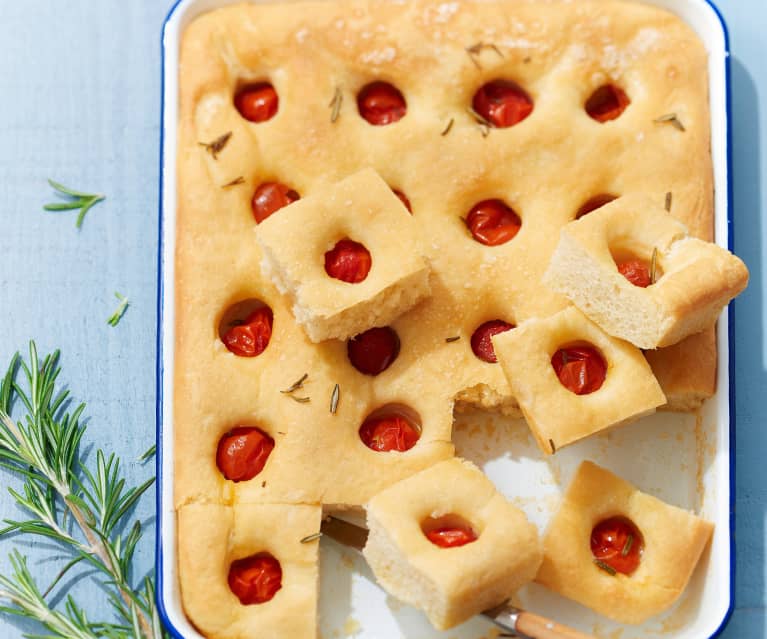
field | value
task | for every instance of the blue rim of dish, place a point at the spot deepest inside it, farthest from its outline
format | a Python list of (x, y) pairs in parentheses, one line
[(159, 575)]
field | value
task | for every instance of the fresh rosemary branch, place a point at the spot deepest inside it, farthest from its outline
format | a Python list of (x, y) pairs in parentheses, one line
[(76, 200), (81, 507), (114, 318)]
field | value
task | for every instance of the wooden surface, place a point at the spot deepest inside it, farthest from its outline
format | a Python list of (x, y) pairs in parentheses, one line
[(80, 102)]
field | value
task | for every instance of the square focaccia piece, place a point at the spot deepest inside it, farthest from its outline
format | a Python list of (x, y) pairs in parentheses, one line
[(635, 271), (347, 256), (446, 542), (571, 379), (244, 571), (623, 553)]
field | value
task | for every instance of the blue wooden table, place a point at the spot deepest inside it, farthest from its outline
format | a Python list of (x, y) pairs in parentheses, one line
[(80, 102)]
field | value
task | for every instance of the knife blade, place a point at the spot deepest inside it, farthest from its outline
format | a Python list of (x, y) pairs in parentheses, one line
[(520, 623)]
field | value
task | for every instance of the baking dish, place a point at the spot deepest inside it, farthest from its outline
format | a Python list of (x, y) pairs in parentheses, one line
[(684, 459)]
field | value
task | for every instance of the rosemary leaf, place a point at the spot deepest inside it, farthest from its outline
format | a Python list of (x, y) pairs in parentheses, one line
[(334, 397), (335, 104), (484, 124), (216, 146), (449, 126), (455, 338), (296, 385), (606, 567), (148, 453), (236, 181), (553, 447), (669, 199), (670, 118), (654, 265), (300, 400), (114, 318), (312, 537), (627, 546)]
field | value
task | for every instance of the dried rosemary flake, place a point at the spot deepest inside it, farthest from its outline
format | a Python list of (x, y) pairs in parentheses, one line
[(672, 119), (336, 395), (449, 126), (296, 385), (553, 448), (312, 537), (215, 147), (452, 339), (234, 182), (335, 104), (606, 567), (653, 265), (627, 546), (300, 400), (669, 200)]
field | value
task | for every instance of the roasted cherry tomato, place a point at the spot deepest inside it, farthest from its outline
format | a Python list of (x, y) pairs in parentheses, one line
[(403, 198), (617, 543), (607, 103), (389, 432), (636, 271), (596, 202), (492, 223), (242, 452), (270, 197), (252, 336), (257, 102), (451, 536), (502, 103), (348, 261), (381, 103), (373, 351), (256, 579), (481, 343), (581, 369)]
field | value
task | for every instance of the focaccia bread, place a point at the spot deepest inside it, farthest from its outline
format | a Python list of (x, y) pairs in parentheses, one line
[(671, 286), (666, 543), (488, 548), (237, 344)]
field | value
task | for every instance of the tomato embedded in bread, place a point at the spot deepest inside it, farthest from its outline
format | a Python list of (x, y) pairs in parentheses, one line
[(481, 339), (373, 351), (385, 433), (270, 197), (250, 337), (257, 102), (637, 272), (607, 103), (617, 543), (381, 103), (502, 103), (256, 579), (493, 222), (581, 369), (449, 531), (348, 261), (242, 453)]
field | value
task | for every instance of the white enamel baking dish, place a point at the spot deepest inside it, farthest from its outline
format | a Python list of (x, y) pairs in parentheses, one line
[(683, 459)]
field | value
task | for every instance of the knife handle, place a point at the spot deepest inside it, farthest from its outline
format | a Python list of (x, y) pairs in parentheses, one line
[(536, 627)]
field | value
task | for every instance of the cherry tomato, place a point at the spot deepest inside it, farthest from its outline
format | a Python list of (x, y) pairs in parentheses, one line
[(596, 202), (502, 103), (403, 198), (607, 103), (581, 369), (381, 103), (390, 432), (451, 536), (348, 261), (252, 336), (618, 543), (270, 197), (481, 343), (242, 453), (257, 102), (492, 223), (373, 351), (636, 271), (256, 579)]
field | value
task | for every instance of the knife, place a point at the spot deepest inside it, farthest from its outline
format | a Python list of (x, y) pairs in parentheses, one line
[(520, 623)]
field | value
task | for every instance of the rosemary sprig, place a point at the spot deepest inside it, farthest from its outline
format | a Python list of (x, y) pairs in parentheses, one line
[(114, 318), (334, 397), (335, 104), (670, 118), (216, 146), (76, 200), (82, 508)]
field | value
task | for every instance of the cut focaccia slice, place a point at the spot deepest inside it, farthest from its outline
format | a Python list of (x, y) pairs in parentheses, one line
[(619, 551), (446, 542), (347, 256), (244, 571), (635, 271), (572, 380)]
